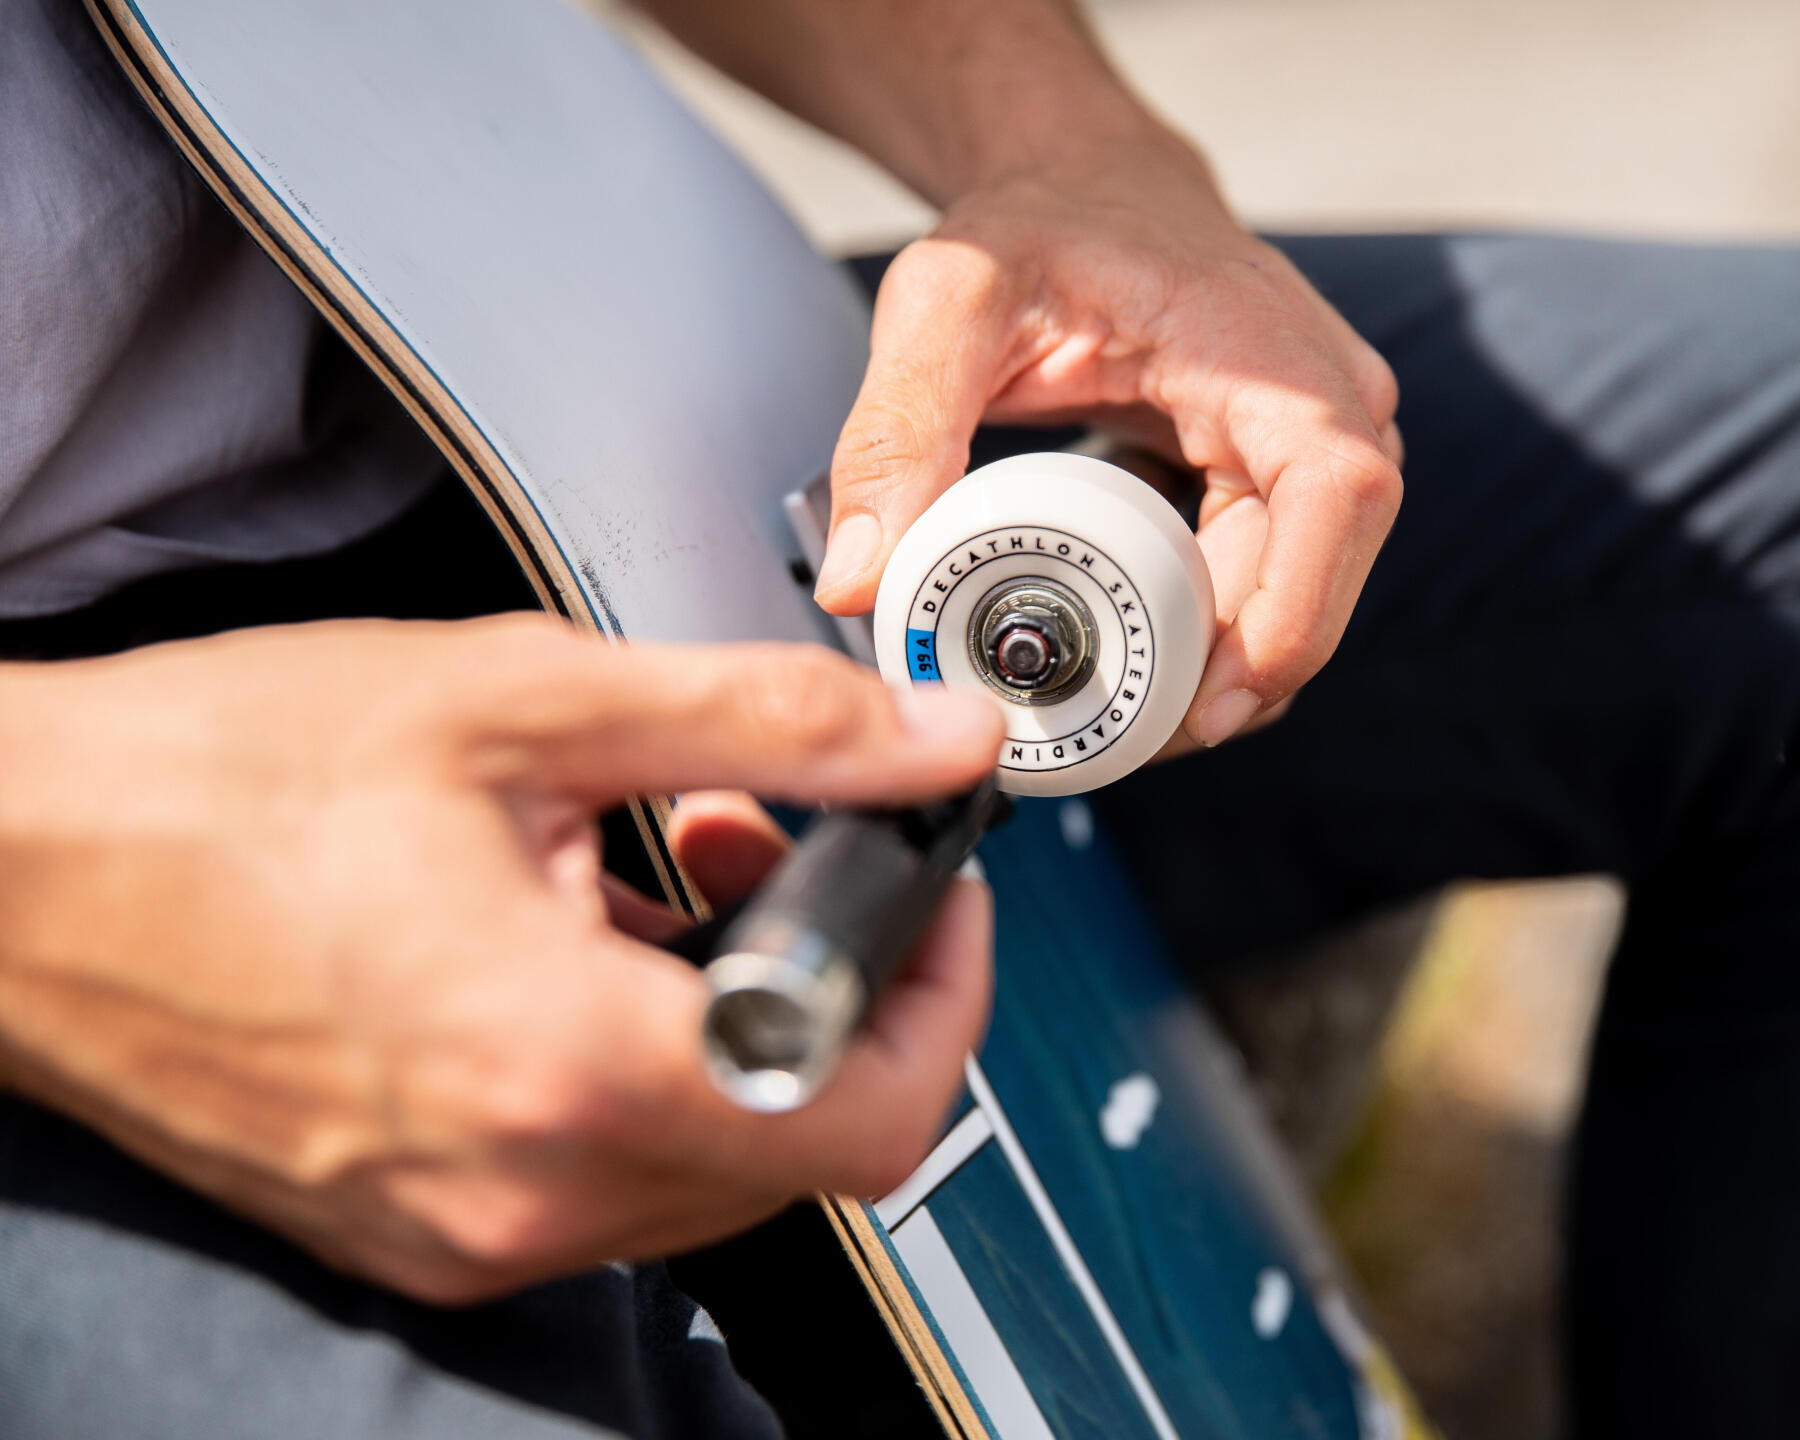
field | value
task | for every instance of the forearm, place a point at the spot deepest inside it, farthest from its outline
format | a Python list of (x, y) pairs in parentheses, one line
[(946, 94)]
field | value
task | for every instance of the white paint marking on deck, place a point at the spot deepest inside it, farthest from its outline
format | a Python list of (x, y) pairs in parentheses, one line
[(1068, 1254), (1130, 1107), (1272, 1303), (965, 1325), (966, 1136), (1076, 820)]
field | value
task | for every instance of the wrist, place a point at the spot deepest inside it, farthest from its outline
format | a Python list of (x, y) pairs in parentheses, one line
[(1143, 170), (1043, 124), (956, 98)]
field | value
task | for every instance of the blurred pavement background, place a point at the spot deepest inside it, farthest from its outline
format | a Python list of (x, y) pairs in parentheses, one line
[(1442, 1163), (1664, 116)]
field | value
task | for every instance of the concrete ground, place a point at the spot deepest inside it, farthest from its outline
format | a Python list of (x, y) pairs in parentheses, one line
[(1663, 117)]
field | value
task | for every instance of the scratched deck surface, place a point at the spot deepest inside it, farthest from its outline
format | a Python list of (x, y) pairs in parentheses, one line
[(631, 355)]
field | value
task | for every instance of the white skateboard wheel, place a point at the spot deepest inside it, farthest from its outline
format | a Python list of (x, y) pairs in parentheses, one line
[(1072, 592)]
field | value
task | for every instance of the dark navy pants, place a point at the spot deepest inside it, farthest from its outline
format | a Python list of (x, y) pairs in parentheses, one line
[(1579, 651)]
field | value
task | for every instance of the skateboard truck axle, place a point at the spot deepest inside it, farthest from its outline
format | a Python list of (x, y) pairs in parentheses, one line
[(1032, 640), (1025, 655), (793, 974)]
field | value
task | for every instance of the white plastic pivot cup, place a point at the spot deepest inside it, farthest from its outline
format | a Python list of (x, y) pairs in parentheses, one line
[(1120, 578)]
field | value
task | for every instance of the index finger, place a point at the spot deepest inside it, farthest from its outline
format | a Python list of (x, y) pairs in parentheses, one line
[(797, 723)]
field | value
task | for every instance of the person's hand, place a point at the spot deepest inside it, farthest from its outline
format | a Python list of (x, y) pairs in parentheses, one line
[(1109, 281), (312, 920)]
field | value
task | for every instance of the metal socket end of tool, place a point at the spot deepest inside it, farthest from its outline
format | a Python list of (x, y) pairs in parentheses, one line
[(797, 969), (784, 1002)]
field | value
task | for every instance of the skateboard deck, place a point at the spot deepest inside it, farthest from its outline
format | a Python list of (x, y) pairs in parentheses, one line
[(630, 355)]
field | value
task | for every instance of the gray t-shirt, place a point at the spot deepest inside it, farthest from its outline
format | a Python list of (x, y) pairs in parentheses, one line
[(167, 397)]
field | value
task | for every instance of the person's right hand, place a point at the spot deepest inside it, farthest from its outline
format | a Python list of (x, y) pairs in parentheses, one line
[(311, 919), (1105, 280)]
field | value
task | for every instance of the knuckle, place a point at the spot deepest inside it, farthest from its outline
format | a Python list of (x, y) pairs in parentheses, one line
[(633, 1121), (914, 264), (497, 1228), (520, 650), (1367, 475), (528, 1098), (463, 1228), (880, 446), (523, 624), (1378, 385), (526, 633), (1289, 658), (943, 270), (332, 1152), (801, 699)]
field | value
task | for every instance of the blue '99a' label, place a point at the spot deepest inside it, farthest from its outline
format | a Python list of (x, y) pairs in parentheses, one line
[(921, 656)]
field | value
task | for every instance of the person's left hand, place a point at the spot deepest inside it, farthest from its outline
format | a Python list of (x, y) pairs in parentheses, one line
[(311, 919), (1110, 282)]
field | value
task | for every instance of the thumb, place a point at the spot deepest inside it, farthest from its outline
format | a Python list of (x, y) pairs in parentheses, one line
[(935, 355)]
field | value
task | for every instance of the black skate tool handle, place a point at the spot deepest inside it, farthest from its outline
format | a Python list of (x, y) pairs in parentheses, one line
[(795, 971)]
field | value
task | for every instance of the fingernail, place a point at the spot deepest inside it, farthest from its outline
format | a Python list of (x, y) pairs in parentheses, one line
[(853, 545), (1225, 715), (939, 715)]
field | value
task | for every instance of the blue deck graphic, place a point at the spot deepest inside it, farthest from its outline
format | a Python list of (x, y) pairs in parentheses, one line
[(1015, 1272), (1170, 1218)]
